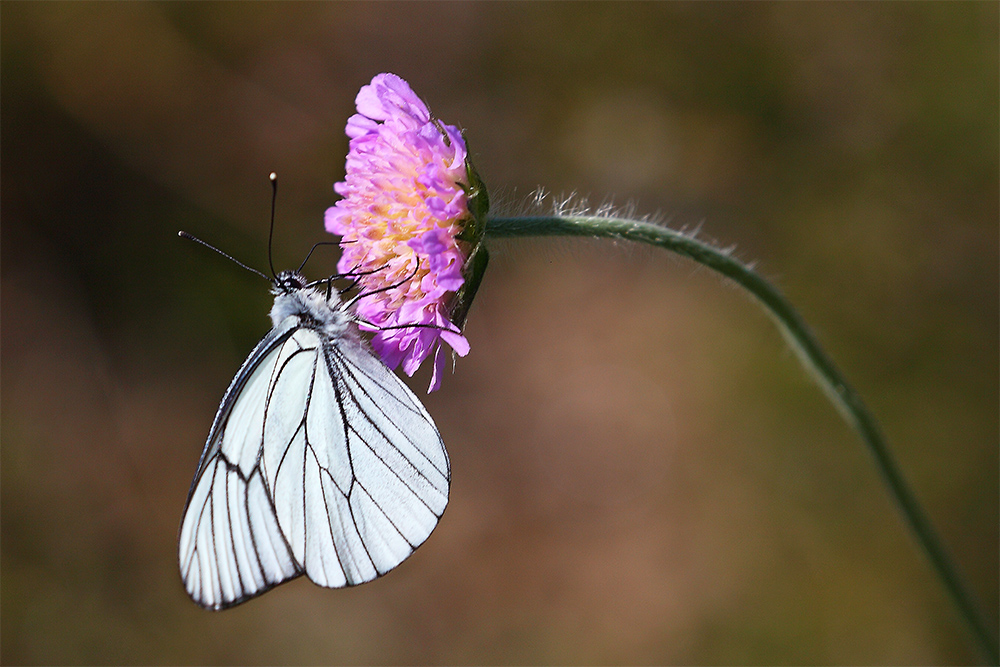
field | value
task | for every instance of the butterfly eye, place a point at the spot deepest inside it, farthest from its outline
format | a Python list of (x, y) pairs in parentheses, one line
[(288, 281)]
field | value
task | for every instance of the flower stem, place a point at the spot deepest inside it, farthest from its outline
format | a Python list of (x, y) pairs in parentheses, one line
[(812, 356)]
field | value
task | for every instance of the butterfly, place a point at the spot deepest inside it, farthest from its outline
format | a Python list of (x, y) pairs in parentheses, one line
[(320, 461)]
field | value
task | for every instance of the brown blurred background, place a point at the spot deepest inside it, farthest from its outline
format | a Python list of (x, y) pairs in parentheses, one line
[(642, 471)]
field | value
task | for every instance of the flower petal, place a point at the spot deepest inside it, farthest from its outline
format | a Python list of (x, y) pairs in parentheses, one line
[(403, 204)]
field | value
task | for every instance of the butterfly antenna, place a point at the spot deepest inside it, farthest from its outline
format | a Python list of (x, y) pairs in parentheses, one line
[(185, 235), (270, 234)]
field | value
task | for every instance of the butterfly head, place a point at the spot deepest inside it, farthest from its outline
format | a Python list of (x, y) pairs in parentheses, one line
[(314, 308), (287, 282)]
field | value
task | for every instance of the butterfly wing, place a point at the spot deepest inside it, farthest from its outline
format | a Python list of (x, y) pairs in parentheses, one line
[(230, 545), (365, 479), (320, 461)]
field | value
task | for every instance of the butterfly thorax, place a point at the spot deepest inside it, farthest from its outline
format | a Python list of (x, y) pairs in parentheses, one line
[(313, 307)]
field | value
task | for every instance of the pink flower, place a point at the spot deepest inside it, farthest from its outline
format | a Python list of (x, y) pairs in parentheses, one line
[(405, 201)]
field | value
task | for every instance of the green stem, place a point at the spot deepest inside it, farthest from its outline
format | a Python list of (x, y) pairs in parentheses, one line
[(792, 326)]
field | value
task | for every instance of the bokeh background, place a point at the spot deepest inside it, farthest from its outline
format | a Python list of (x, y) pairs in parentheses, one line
[(642, 471)]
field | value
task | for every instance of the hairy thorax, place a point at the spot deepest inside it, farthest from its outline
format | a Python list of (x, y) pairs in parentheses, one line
[(312, 307)]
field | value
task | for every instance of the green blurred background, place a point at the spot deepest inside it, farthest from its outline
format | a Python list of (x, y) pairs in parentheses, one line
[(642, 471)]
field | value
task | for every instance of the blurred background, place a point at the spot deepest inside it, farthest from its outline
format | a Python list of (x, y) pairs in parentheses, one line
[(642, 473)]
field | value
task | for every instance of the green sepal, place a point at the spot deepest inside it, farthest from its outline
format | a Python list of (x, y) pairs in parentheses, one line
[(473, 271), (478, 202), (472, 234)]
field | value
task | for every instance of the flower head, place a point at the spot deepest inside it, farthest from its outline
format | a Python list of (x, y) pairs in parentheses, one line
[(403, 223)]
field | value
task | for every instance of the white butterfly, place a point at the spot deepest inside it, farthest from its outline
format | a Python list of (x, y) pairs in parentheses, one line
[(320, 462)]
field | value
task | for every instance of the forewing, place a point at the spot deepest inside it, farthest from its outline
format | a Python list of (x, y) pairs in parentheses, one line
[(366, 480)]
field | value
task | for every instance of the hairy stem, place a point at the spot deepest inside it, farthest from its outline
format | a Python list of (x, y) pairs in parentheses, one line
[(812, 356)]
